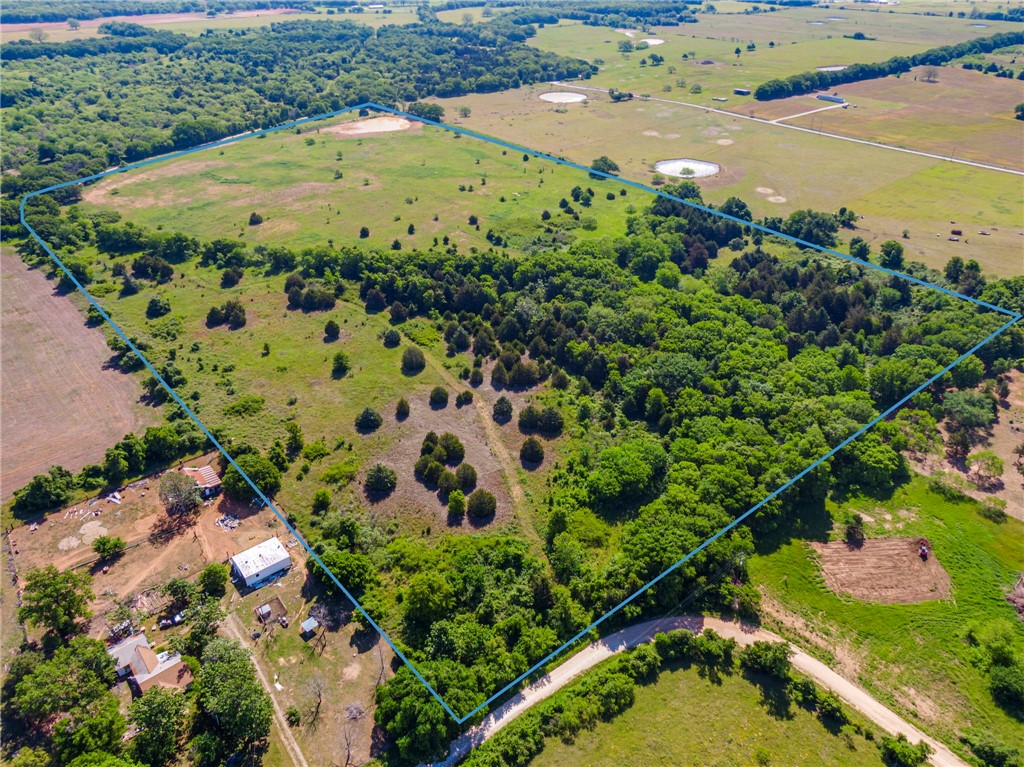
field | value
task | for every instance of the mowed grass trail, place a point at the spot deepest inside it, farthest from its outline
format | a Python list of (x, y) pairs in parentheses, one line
[(687, 720), (903, 654), (321, 186)]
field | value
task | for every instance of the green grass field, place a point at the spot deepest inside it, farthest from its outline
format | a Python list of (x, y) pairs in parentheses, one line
[(914, 657), (685, 719), (427, 178), (894, 190)]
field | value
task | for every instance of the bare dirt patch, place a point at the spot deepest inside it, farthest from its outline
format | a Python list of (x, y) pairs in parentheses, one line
[(885, 570), (412, 500), (372, 126), (60, 403)]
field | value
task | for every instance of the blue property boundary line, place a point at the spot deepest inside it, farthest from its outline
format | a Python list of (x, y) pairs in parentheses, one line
[(1014, 317)]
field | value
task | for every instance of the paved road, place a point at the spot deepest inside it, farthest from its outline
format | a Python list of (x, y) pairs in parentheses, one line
[(626, 639), (739, 116)]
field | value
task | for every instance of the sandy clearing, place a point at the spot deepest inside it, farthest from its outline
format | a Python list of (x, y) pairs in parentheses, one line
[(832, 68), (561, 97), (725, 142), (687, 168), (886, 570), (765, 190), (372, 126), (777, 199), (651, 133), (653, 41)]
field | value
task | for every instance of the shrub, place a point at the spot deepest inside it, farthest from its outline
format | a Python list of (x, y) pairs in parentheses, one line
[(158, 306), (855, 530), (231, 277), (463, 398), (293, 716), (899, 752), (391, 338), (369, 420), (476, 377), (456, 503), (413, 360), (502, 411), (321, 500), (1007, 686), (331, 330), (454, 451), (771, 658), (439, 397), (466, 475), (481, 504), (255, 219), (381, 479), (108, 547), (402, 410), (447, 483), (341, 366), (532, 451)]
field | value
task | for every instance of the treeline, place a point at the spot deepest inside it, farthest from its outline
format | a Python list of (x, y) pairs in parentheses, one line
[(123, 38), (63, 114), (133, 456), (611, 690), (33, 11), (608, 15), (807, 82)]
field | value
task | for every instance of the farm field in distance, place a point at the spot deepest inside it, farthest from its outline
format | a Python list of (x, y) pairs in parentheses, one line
[(774, 170)]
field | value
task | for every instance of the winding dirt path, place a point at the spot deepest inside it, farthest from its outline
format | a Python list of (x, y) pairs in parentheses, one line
[(641, 633), (497, 445), (234, 627)]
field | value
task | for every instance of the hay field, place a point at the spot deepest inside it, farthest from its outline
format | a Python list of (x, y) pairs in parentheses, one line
[(894, 190), (965, 114)]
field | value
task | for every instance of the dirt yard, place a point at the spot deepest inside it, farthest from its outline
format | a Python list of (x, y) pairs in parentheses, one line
[(885, 570), (60, 406), (414, 501), (157, 550)]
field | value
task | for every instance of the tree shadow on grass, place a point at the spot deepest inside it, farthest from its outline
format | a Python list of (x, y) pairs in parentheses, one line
[(775, 697)]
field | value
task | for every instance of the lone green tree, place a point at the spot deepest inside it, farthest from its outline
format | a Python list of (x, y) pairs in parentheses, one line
[(179, 493), (55, 600), (159, 717)]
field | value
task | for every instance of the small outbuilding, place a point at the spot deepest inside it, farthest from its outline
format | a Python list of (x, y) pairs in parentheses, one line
[(261, 563), (206, 477), (741, 91), (309, 626)]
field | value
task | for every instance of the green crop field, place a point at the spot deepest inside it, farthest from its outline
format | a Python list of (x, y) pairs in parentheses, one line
[(775, 170), (423, 177), (688, 720), (916, 657)]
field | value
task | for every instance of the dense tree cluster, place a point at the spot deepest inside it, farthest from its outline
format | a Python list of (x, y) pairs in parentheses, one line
[(187, 91), (806, 82)]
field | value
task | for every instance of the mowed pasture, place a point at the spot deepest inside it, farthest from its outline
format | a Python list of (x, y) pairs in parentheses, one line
[(61, 404), (913, 657), (688, 718), (964, 114), (804, 39), (776, 170), (383, 173)]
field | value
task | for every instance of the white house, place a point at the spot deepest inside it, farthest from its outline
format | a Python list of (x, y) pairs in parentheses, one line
[(262, 562)]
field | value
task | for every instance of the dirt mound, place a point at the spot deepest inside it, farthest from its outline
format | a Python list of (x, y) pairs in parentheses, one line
[(372, 126), (883, 570)]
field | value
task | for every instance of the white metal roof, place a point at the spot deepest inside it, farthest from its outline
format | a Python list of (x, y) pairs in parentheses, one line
[(260, 557)]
